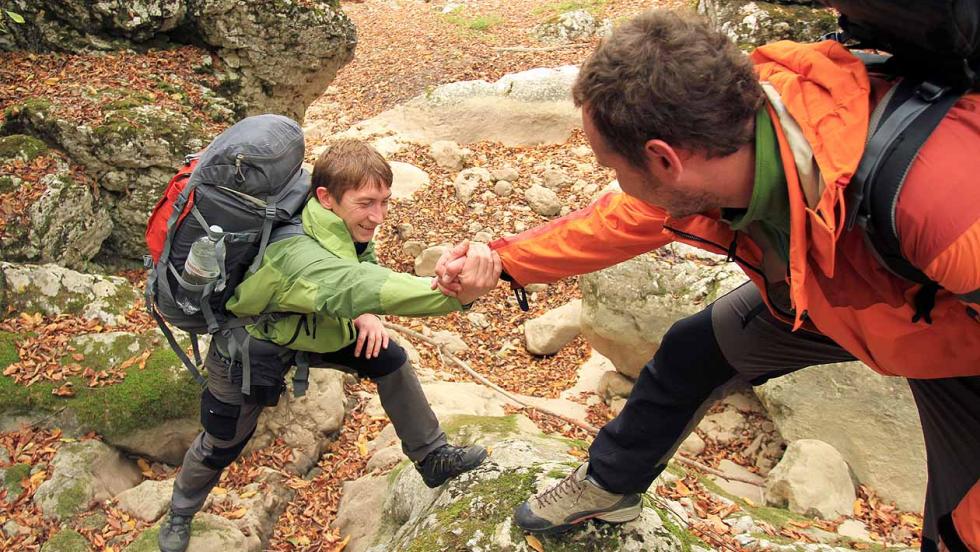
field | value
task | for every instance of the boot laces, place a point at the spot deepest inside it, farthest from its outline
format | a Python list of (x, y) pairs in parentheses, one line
[(565, 487), (447, 458), (179, 524)]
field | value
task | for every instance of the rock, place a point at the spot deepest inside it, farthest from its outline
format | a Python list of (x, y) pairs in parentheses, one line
[(743, 400), (528, 108), (582, 151), (304, 423), (52, 289), (752, 23), (357, 515), (147, 501), (506, 173), (613, 384), (425, 263), (414, 248), (813, 479), (616, 405), (209, 533), (542, 200), (263, 500), (536, 288), (82, 473), (385, 458), (66, 540), (854, 529), (483, 237), (405, 230), (503, 188), (454, 344), (407, 180), (21, 147), (448, 155), (692, 445), (12, 529), (553, 330), (478, 319), (554, 179), (165, 442), (468, 181), (281, 55), (627, 308), (571, 26), (473, 511), (752, 492), (885, 451), (722, 427)]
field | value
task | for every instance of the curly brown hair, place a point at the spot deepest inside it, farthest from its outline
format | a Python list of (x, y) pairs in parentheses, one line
[(667, 76), (348, 165)]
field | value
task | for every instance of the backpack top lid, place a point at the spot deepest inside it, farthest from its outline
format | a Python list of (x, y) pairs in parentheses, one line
[(930, 36), (260, 156)]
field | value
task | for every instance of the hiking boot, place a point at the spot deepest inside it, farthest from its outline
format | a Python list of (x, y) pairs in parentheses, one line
[(175, 533), (575, 499), (449, 461)]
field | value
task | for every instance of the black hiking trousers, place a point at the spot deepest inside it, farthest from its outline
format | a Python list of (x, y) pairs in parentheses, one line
[(735, 341)]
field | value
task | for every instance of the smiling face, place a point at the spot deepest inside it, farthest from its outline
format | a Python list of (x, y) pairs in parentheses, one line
[(362, 209)]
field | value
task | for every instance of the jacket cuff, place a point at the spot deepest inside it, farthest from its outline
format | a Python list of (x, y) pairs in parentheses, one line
[(949, 536)]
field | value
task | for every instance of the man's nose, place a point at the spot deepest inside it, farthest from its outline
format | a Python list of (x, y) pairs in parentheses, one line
[(377, 214)]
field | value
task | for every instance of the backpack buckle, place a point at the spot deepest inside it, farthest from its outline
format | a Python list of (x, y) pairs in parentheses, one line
[(147, 261), (929, 92), (270, 211)]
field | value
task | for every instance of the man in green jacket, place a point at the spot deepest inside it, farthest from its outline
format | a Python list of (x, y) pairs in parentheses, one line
[(328, 279)]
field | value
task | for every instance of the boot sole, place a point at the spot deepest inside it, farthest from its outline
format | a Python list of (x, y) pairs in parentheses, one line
[(616, 516)]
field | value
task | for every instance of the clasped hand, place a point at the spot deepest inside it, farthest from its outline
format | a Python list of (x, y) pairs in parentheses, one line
[(467, 271)]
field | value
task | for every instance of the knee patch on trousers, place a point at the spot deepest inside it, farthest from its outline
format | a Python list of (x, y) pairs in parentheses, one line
[(221, 457), (219, 419)]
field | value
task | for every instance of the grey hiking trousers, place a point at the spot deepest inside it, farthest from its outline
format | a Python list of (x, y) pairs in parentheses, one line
[(230, 421), (737, 340)]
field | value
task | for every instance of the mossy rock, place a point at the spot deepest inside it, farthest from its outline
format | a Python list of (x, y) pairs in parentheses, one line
[(16, 114), (147, 397), (66, 540), (208, 532), (12, 477), (21, 146), (149, 123), (753, 23)]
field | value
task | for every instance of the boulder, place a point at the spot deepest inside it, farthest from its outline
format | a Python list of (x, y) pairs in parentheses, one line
[(507, 172), (357, 515), (528, 108), (304, 423), (503, 188), (613, 384), (448, 155), (52, 289), (627, 308), (812, 479), (408, 179), (275, 56), (570, 26), (474, 511), (554, 178), (82, 473), (468, 181), (208, 534), (551, 331), (66, 540), (147, 501), (885, 449), (752, 23), (543, 201), (453, 343), (425, 262), (723, 426)]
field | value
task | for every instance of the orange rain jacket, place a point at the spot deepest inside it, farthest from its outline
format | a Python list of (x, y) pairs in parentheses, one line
[(820, 100)]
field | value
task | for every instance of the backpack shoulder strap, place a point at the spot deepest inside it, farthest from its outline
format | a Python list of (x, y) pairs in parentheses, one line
[(289, 229), (901, 124)]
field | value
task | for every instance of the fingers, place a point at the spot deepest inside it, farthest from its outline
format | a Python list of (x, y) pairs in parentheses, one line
[(361, 337), (445, 270), (372, 346)]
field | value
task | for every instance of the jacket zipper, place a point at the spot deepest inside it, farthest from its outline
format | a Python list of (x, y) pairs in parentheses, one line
[(733, 255)]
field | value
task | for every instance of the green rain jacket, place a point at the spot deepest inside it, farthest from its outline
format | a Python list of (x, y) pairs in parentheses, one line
[(320, 277)]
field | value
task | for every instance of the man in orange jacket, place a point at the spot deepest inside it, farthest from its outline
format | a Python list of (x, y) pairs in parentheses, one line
[(750, 157)]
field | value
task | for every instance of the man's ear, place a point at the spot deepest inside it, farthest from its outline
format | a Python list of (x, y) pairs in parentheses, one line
[(665, 161), (323, 196)]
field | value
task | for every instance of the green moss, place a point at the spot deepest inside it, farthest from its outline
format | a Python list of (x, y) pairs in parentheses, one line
[(21, 146), (777, 517), (480, 23), (462, 425), (71, 501), (12, 478), (482, 507), (686, 539), (8, 184), (558, 8), (66, 540), (147, 123), (30, 105), (147, 541), (145, 398)]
